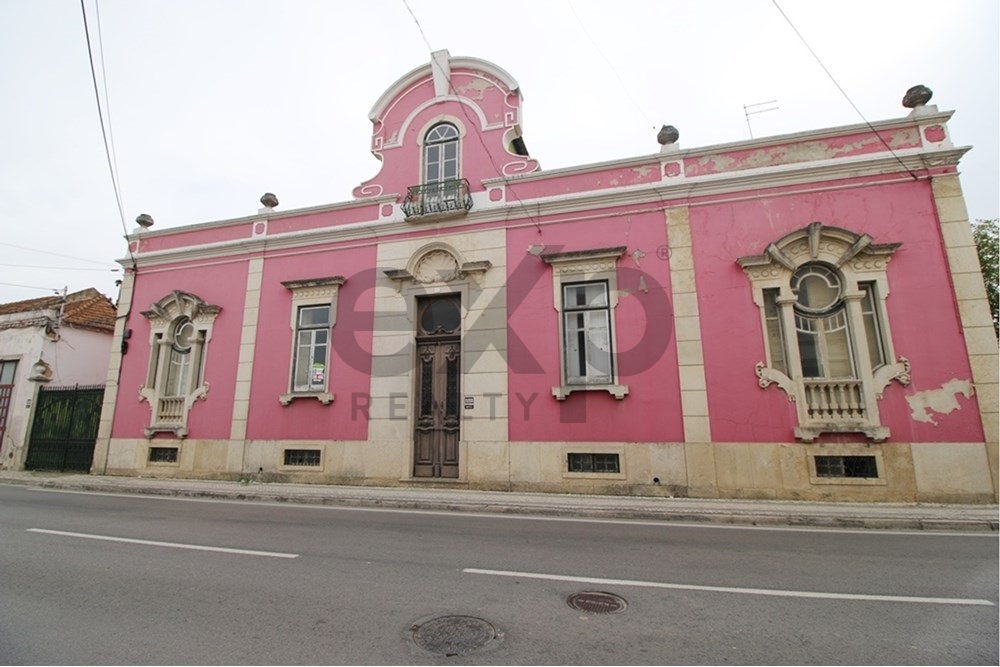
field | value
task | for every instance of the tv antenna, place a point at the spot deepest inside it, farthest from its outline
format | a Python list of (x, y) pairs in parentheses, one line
[(751, 109)]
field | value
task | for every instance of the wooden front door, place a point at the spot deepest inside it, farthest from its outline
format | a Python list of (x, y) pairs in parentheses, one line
[(439, 358)]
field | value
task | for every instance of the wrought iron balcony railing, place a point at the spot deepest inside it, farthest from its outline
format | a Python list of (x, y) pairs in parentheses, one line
[(444, 197)]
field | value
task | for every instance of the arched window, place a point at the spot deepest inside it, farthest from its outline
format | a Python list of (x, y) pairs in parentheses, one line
[(441, 154)]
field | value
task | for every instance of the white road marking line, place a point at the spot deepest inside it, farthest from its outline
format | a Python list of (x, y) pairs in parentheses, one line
[(174, 545), (727, 589), (664, 523)]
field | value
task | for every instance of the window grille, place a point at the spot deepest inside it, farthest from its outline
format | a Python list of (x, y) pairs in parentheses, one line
[(601, 463), (302, 457), (846, 466)]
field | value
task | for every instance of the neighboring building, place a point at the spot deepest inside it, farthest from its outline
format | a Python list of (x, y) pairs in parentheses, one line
[(799, 316), (54, 349)]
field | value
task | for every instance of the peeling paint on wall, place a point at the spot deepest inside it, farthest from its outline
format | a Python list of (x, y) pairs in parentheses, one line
[(637, 255), (536, 250), (942, 401)]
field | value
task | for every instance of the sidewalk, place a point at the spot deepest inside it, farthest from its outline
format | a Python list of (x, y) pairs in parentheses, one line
[(691, 510)]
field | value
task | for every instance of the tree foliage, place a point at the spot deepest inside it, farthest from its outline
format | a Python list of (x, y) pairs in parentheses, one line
[(986, 234)]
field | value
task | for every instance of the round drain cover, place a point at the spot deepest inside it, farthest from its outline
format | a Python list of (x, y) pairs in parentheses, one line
[(454, 635), (596, 602)]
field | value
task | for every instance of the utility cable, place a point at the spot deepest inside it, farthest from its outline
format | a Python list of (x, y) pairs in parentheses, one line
[(56, 268), (611, 66), (843, 92), (54, 254), (104, 133), (470, 120)]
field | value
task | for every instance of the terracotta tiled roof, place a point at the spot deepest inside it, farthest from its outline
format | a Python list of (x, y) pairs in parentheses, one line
[(86, 309)]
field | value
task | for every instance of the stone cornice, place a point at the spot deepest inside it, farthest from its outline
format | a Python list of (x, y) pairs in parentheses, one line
[(657, 194), (715, 149), (271, 215)]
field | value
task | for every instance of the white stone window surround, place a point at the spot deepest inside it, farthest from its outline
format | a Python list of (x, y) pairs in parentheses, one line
[(312, 292), (170, 413), (859, 262), (583, 266)]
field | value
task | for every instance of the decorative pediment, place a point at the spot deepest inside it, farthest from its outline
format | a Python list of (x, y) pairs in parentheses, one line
[(438, 263), (177, 304), (823, 243)]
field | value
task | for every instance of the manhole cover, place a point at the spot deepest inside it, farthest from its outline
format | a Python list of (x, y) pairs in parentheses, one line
[(596, 602), (454, 635)]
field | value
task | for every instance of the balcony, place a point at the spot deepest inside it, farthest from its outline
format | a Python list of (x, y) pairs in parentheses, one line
[(444, 199)]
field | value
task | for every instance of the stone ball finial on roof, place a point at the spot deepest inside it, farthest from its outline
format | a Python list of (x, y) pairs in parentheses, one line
[(668, 134), (917, 96), (144, 220), (269, 200)]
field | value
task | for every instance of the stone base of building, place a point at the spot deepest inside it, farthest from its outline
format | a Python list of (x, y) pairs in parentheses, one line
[(834, 472)]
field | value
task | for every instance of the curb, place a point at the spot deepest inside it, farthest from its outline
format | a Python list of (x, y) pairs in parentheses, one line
[(776, 518)]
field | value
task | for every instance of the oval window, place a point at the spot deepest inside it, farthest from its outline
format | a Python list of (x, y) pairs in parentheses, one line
[(817, 288)]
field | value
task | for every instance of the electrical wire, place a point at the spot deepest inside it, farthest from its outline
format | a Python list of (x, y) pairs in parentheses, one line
[(611, 66), (842, 91), (46, 289), (472, 122), (54, 254), (56, 268), (104, 132)]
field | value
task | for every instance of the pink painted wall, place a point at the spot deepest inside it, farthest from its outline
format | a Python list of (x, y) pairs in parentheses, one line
[(480, 98), (645, 342), (801, 151), (350, 358), (543, 185), (221, 285), (922, 316)]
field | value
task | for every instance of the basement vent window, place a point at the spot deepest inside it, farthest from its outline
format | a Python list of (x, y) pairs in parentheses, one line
[(594, 463), (846, 466), (163, 455), (302, 457)]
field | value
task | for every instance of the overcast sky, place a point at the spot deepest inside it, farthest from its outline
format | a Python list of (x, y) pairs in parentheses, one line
[(213, 102)]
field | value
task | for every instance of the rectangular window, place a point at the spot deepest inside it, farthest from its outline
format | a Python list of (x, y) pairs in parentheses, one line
[(7, 369), (846, 466), (775, 337), (587, 332), (873, 328), (608, 463), (163, 454), (312, 342), (302, 457)]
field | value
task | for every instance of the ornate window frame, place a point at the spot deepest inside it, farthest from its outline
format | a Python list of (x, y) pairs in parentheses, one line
[(305, 293), (175, 313), (586, 266), (827, 405)]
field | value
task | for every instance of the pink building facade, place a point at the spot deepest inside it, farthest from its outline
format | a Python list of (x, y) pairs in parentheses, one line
[(800, 317)]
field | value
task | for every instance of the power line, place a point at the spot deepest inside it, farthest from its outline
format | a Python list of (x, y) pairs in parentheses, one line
[(471, 121), (56, 268), (46, 289), (607, 60), (54, 254), (842, 91), (104, 132), (418, 26)]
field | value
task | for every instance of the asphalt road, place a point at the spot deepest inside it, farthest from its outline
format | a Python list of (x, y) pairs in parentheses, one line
[(112, 579)]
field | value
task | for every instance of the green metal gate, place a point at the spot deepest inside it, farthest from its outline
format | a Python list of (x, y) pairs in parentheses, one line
[(65, 428)]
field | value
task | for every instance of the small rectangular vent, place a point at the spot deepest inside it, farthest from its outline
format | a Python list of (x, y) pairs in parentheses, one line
[(846, 466), (594, 463), (163, 454), (302, 457)]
